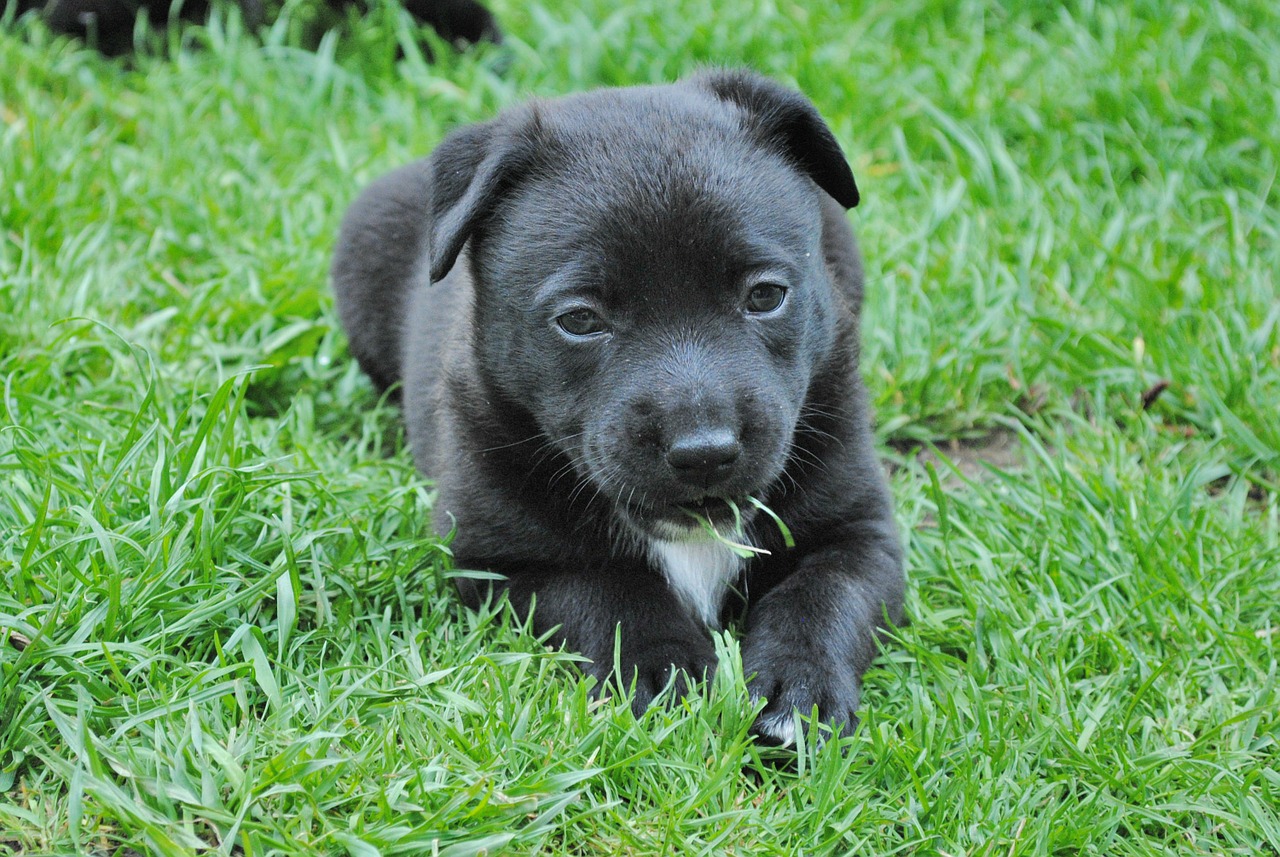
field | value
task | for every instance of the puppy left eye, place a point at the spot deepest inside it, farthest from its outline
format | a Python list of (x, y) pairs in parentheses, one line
[(765, 297)]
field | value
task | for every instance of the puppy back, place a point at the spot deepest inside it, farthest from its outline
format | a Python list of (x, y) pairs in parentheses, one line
[(380, 248)]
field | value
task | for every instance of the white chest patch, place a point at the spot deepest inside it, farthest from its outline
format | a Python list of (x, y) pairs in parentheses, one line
[(699, 572)]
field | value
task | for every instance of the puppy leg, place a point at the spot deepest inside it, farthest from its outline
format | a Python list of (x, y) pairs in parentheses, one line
[(657, 637), (105, 24), (811, 637), (457, 20)]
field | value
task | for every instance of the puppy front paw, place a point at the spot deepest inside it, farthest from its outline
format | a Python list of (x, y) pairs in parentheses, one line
[(656, 663), (792, 682)]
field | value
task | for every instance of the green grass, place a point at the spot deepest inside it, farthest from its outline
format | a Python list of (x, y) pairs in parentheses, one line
[(224, 625)]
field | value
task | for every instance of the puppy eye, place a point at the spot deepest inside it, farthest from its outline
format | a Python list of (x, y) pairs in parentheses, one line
[(581, 322), (765, 297)]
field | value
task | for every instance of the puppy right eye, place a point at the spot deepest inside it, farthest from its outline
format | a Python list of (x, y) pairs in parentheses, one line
[(582, 322)]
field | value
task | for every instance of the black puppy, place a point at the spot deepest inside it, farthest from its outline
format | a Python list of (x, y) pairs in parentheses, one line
[(616, 314)]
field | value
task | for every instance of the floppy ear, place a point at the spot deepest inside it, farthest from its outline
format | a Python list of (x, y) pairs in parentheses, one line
[(785, 121), (470, 170)]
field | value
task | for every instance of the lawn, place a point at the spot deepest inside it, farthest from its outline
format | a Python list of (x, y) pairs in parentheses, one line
[(225, 626)]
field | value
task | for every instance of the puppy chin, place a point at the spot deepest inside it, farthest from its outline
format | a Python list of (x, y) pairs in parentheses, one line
[(676, 531), (680, 522)]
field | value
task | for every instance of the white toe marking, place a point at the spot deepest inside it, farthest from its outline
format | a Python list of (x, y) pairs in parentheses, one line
[(780, 727)]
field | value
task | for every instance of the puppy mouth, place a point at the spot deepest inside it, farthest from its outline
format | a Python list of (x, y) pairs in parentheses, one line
[(711, 508), (691, 518)]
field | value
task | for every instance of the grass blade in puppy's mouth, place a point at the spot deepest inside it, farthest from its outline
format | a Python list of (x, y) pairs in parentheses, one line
[(706, 510)]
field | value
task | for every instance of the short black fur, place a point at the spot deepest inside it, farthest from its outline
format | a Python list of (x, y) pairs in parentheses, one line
[(612, 309)]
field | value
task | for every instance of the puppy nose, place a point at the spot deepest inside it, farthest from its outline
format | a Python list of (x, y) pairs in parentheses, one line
[(703, 457)]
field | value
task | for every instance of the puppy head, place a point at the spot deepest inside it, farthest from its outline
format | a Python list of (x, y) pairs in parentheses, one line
[(650, 282)]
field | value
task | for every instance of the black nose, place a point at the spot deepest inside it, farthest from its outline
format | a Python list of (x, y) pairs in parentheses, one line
[(704, 457)]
